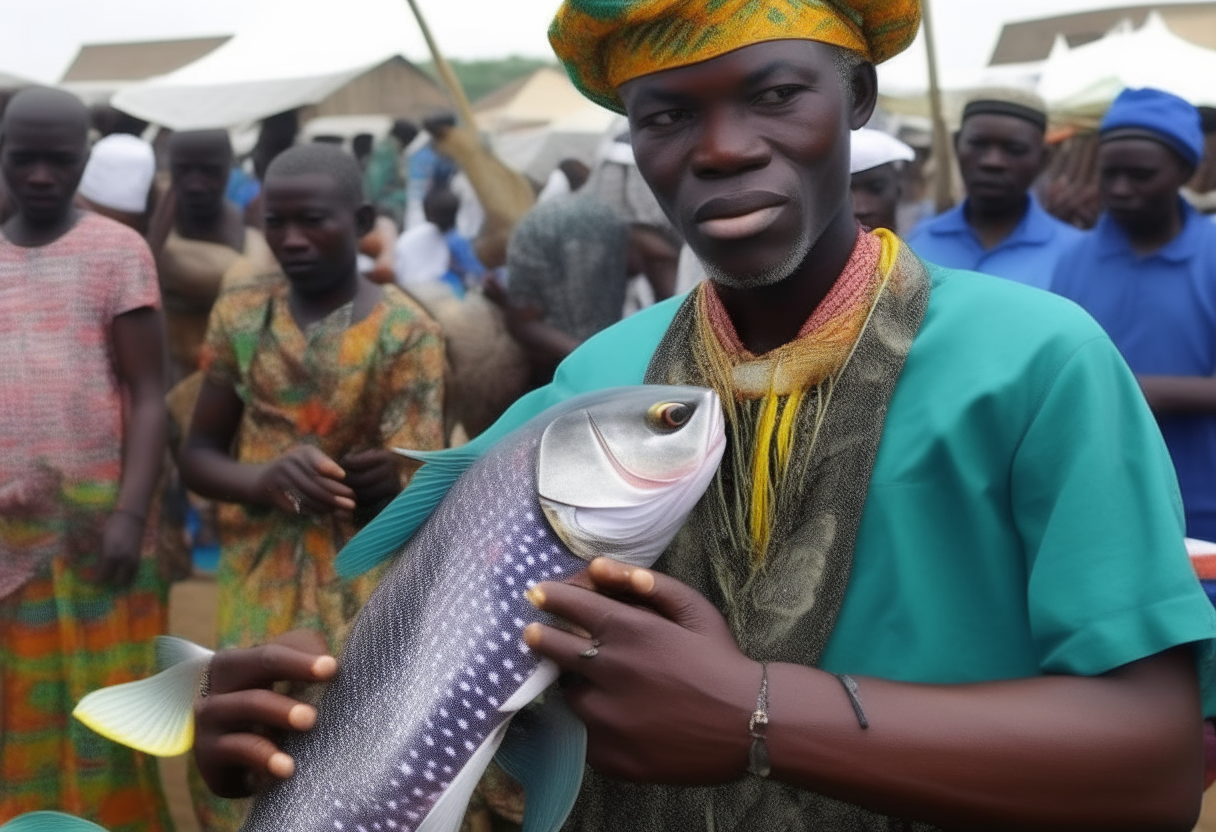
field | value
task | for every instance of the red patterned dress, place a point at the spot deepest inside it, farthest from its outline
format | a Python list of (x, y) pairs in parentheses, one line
[(61, 435)]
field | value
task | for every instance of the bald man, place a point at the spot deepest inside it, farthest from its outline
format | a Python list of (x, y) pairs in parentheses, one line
[(82, 432), (208, 244)]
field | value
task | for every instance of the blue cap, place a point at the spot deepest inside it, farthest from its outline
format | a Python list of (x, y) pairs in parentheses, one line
[(1165, 117)]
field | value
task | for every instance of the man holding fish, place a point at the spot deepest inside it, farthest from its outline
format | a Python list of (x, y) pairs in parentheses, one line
[(939, 578)]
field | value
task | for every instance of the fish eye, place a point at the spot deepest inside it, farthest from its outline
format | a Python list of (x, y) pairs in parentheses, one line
[(670, 415)]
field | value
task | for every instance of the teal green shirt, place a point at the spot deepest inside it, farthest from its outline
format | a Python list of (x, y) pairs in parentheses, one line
[(1023, 517)]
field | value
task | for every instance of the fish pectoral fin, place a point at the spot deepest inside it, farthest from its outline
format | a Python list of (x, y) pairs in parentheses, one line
[(448, 812), (154, 715), (545, 750), (392, 528), (49, 822)]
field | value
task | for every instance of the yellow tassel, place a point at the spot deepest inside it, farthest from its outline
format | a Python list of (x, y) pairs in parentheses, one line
[(785, 431), (890, 251), (761, 485)]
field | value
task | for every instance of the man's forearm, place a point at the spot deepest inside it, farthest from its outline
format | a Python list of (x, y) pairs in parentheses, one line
[(1180, 394), (1116, 752)]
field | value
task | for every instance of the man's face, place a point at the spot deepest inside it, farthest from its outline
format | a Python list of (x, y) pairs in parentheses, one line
[(999, 157), (200, 177), (876, 195), (42, 162), (1138, 180), (747, 153), (312, 231)]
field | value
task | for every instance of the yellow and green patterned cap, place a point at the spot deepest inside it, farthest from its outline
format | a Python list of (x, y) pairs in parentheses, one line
[(604, 43)]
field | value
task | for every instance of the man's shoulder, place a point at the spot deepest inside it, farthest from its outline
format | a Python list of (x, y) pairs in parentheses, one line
[(992, 316), (103, 237), (944, 223), (621, 353), (402, 310)]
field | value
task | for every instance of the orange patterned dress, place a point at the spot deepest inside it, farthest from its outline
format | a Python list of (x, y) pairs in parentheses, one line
[(342, 387)]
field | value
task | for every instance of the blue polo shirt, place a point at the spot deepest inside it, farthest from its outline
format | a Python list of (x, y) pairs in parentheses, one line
[(1028, 255), (1160, 311)]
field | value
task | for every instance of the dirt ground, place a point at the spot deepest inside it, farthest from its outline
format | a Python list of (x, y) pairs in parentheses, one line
[(192, 606)]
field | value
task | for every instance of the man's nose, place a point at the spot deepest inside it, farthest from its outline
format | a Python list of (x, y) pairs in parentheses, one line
[(726, 146)]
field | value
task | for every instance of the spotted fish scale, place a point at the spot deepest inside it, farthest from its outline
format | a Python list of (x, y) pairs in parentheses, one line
[(447, 618)]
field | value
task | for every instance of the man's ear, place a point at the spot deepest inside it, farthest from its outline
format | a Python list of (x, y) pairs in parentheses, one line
[(865, 94), (365, 219)]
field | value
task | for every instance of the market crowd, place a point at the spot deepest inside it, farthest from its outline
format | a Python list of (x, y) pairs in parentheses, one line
[(992, 477)]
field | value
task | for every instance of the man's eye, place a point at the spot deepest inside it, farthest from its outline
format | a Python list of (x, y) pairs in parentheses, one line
[(667, 118), (778, 95)]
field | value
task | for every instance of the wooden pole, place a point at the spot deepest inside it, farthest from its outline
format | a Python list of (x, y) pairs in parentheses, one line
[(943, 192), (463, 108)]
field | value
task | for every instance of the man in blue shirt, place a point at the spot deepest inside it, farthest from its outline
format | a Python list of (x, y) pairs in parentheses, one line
[(1000, 229), (1147, 273)]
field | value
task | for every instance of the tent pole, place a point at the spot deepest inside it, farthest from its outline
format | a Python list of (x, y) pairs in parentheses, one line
[(943, 195), (463, 108)]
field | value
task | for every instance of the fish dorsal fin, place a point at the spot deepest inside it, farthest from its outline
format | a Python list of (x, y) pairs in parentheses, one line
[(545, 750), (49, 822), (391, 530), (382, 538), (154, 715)]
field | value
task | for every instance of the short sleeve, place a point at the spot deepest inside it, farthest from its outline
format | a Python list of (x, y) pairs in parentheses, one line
[(413, 413), (1097, 504), (218, 358), (132, 275)]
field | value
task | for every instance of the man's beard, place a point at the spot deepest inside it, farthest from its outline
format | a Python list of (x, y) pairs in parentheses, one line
[(768, 277)]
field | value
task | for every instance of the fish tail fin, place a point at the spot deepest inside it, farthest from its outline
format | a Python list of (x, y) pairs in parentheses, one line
[(395, 525), (49, 822), (545, 750), (154, 715)]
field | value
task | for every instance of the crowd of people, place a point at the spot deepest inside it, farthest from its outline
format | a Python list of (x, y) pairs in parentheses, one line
[(942, 566)]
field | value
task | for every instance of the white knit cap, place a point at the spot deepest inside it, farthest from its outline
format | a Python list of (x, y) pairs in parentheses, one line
[(872, 148), (119, 173)]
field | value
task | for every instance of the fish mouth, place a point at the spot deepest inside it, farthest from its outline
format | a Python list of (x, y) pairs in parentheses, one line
[(628, 476)]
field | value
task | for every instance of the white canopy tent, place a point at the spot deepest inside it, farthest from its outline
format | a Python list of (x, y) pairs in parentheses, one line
[(1081, 83), (277, 62)]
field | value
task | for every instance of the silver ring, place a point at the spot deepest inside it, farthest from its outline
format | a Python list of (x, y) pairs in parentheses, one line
[(296, 499), (204, 682), (592, 651)]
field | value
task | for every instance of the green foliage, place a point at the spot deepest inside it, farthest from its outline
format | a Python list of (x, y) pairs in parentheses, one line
[(480, 78)]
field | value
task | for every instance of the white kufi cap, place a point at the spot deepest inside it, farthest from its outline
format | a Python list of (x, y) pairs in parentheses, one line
[(119, 173), (873, 148)]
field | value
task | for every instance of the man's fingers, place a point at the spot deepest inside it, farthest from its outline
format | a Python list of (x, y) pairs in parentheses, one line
[(568, 651), (261, 667), (581, 607), (250, 752), (665, 595), (306, 641), (242, 710)]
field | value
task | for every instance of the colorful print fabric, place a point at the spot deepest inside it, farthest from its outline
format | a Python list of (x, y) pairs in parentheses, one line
[(604, 43), (61, 635), (377, 383)]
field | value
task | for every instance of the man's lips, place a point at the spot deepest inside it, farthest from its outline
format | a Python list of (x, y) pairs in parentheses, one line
[(739, 215)]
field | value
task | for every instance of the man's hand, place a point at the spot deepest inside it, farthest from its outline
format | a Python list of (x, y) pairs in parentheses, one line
[(305, 481), (668, 695), (231, 749), (120, 550), (373, 475)]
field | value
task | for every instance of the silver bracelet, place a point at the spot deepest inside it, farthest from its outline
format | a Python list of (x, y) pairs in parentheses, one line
[(757, 728)]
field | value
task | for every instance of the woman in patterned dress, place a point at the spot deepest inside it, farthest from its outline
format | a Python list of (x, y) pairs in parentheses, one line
[(312, 377)]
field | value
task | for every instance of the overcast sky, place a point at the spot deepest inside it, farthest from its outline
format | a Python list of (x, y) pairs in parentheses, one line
[(39, 38)]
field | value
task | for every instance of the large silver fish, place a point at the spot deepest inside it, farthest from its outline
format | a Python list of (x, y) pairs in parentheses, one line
[(435, 667)]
